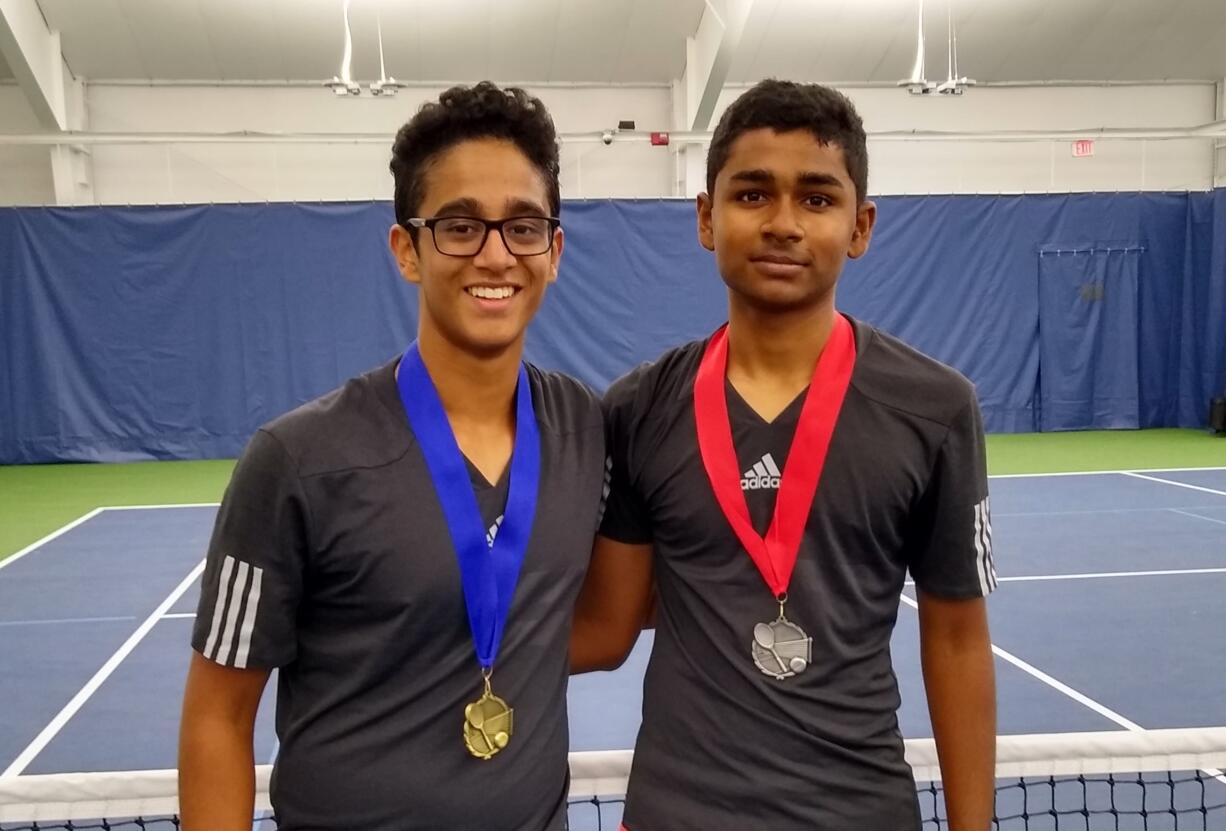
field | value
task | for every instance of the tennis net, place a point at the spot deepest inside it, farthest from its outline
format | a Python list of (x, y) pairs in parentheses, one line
[(1159, 779)]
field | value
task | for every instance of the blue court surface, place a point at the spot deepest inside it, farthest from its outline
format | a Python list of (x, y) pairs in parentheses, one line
[(1109, 616)]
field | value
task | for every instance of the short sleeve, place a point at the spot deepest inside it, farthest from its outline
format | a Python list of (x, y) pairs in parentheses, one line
[(950, 540), (253, 576), (625, 518)]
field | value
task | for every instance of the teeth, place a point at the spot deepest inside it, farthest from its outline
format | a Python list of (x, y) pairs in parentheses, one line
[(489, 293)]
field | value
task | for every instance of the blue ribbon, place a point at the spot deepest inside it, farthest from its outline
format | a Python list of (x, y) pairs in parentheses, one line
[(488, 573)]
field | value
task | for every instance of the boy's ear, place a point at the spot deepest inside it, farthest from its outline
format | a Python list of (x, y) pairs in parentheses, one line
[(862, 235), (706, 233), (400, 241)]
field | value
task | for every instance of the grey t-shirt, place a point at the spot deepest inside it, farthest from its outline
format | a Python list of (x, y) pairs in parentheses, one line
[(331, 560), (723, 746)]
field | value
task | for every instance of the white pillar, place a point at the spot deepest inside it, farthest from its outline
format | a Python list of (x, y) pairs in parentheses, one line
[(72, 166), (1219, 145)]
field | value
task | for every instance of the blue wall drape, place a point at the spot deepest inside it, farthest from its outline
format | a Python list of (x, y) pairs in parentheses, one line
[(1088, 351), (142, 332)]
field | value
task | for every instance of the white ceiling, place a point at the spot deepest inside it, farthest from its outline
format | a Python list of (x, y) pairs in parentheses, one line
[(637, 41)]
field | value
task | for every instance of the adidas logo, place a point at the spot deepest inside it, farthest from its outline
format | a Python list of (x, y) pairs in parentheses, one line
[(763, 476), (492, 534)]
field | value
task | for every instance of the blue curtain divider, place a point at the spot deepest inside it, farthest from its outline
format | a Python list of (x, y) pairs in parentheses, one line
[(158, 333)]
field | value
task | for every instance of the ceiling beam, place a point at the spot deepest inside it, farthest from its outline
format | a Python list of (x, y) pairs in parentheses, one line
[(1208, 131), (708, 57), (33, 53)]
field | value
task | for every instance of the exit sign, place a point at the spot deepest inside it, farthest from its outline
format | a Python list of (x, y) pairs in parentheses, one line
[(1083, 147)]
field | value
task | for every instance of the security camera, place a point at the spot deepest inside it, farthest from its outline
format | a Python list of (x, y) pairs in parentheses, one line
[(607, 137)]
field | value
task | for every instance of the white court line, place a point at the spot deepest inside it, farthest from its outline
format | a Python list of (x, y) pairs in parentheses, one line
[(1060, 686), (160, 507), (1111, 574), (12, 558), (1198, 516), (1201, 488), (1103, 472), (70, 709), (1103, 575), (1088, 511), (66, 620), (185, 615)]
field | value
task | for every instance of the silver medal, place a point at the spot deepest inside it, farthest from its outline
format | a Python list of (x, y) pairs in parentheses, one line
[(781, 649)]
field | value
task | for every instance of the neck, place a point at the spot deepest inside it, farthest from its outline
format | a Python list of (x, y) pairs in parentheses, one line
[(474, 389), (777, 348)]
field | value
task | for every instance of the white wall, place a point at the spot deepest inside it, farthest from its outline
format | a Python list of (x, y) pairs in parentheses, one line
[(179, 173), (25, 172), (1219, 157), (1043, 166), (251, 172)]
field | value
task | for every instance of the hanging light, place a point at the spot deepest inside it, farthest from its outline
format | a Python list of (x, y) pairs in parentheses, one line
[(384, 86), (918, 83), (953, 85), (343, 84)]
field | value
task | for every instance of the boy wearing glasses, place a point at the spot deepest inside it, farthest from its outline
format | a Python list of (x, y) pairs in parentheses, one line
[(407, 549)]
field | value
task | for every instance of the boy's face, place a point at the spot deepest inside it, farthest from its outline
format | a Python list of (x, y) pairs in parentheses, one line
[(487, 179), (783, 219)]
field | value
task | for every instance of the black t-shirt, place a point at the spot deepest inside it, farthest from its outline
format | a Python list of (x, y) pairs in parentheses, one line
[(723, 746), (331, 559)]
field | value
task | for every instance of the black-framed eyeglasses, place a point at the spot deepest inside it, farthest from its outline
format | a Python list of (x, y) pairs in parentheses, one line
[(465, 236)]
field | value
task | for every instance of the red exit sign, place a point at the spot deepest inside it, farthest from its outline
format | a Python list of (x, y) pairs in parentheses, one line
[(1083, 147)]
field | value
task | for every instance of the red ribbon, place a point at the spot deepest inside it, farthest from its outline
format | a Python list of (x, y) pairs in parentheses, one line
[(775, 554)]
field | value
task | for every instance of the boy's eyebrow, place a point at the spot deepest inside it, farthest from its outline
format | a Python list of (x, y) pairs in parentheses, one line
[(809, 178), (524, 207), (759, 176), (820, 180), (465, 206)]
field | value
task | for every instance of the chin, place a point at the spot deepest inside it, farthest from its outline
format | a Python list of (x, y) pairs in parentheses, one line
[(490, 344), (777, 299)]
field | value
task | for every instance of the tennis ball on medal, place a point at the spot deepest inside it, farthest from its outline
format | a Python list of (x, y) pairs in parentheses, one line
[(501, 739), (798, 664)]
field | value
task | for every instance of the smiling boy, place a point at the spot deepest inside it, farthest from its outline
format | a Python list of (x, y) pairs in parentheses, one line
[(408, 548)]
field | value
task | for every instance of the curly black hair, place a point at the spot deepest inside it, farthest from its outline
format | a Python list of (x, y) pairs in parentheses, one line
[(465, 113), (784, 106)]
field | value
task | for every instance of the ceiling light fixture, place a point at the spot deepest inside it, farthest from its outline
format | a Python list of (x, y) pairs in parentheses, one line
[(384, 86), (343, 84), (918, 83), (953, 85)]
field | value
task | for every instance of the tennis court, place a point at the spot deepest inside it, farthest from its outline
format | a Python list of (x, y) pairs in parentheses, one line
[(1108, 618)]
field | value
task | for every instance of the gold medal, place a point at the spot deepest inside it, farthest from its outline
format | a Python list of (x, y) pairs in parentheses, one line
[(488, 724)]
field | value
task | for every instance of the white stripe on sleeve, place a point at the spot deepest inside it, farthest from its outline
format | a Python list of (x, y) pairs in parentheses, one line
[(253, 605), (980, 553), (227, 634), (219, 608)]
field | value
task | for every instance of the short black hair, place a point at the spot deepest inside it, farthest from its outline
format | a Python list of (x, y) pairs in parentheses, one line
[(784, 106), (465, 113)]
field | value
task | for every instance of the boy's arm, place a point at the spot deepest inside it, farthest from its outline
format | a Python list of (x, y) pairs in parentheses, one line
[(616, 601), (613, 606), (951, 560), (959, 679), (246, 622), (216, 765)]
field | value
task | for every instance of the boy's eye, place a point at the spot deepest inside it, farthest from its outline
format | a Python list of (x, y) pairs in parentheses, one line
[(818, 200), (750, 196), (457, 227)]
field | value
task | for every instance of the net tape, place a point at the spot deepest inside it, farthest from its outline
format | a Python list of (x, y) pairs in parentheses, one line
[(600, 776)]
